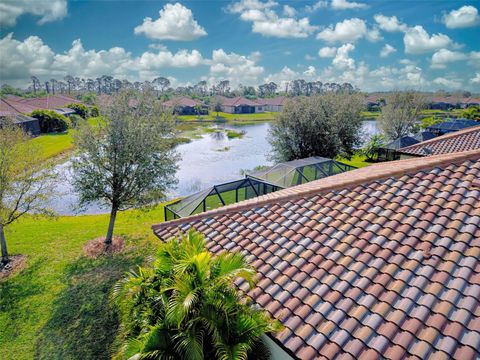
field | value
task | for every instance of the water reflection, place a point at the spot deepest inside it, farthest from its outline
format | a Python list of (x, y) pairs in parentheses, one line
[(202, 164)]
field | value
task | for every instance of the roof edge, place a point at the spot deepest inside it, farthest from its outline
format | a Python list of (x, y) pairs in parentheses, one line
[(340, 181), (441, 138)]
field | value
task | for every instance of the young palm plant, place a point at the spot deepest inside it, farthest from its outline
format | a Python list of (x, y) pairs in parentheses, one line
[(186, 306)]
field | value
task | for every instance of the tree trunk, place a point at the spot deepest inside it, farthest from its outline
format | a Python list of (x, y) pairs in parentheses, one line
[(3, 244), (111, 225)]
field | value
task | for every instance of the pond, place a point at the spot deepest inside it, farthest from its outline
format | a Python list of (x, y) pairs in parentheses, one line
[(209, 160)]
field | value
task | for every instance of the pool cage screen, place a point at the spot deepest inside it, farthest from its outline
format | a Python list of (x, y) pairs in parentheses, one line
[(218, 195), (257, 183), (300, 171)]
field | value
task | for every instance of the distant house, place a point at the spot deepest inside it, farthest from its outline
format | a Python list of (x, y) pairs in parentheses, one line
[(470, 102), (464, 140), (29, 124), (241, 105), (390, 152), (274, 104), (373, 102), (451, 126), (443, 103), (183, 105), (49, 102)]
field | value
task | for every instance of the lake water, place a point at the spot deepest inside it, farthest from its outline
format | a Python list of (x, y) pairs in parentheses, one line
[(203, 164)]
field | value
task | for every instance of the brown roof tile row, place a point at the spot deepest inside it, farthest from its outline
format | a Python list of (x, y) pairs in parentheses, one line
[(463, 140), (384, 263)]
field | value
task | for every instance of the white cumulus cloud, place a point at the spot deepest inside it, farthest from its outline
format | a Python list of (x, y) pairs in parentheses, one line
[(442, 57), (175, 22), (289, 11), (342, 60), (387, 50), (345, 4), (318, 5), (476, 79), (327, 52), (239, 69), (349, 30), (22, 59), (50, 10), (447, 83), (466, 16), (418, 41), (389, 23), (266, 21)]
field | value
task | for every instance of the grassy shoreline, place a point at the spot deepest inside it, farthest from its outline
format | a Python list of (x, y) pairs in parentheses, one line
[(57, 307)]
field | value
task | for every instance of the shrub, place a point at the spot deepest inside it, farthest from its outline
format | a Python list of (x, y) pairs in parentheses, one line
[(185, 305), (50, 121), (80, 109), (472, 112), (75, 120), (94, 112), (431, 120), (371, 148)]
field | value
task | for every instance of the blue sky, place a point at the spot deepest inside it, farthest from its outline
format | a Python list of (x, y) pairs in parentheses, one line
[(375, 45)]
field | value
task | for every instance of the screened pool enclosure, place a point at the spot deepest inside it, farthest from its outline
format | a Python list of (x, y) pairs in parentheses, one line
[(256, 183)]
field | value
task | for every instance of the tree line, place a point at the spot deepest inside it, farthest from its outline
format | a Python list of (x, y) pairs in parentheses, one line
[(162, 86)]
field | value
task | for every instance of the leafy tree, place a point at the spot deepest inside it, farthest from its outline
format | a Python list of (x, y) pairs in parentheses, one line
[(9, 90), (70, 82), (80, 109), (35, 84), (472, 112), (216, 105), (431, 120), (371, 148), (23, 189), (223, 87), (323, 125), (75, 120), (161, 83), (89, 97), (94, 112), (401, 114), (51, 121), (249, 92), (126, 159), (186, 306)]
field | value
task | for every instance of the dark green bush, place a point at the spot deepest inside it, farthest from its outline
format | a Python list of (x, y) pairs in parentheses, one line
[(94, 112), (50, 121), (75, 120), (80, 109)]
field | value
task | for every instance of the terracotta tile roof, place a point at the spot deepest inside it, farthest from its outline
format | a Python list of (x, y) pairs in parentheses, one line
[(26, 106), (48, 102), (378, 262), (182, 101), (276, 101), (9, 107), (238, 101), (463, 140)]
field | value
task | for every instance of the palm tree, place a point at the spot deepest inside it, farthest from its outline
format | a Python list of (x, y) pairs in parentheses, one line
[(185, 306)]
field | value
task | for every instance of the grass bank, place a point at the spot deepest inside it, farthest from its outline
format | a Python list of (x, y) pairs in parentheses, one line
[(54, 145), (57, 307), (357, 160)]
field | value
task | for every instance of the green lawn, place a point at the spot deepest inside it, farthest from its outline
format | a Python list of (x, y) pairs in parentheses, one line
[(358, 161), (52, 145), (57, 307), (230, 117)]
